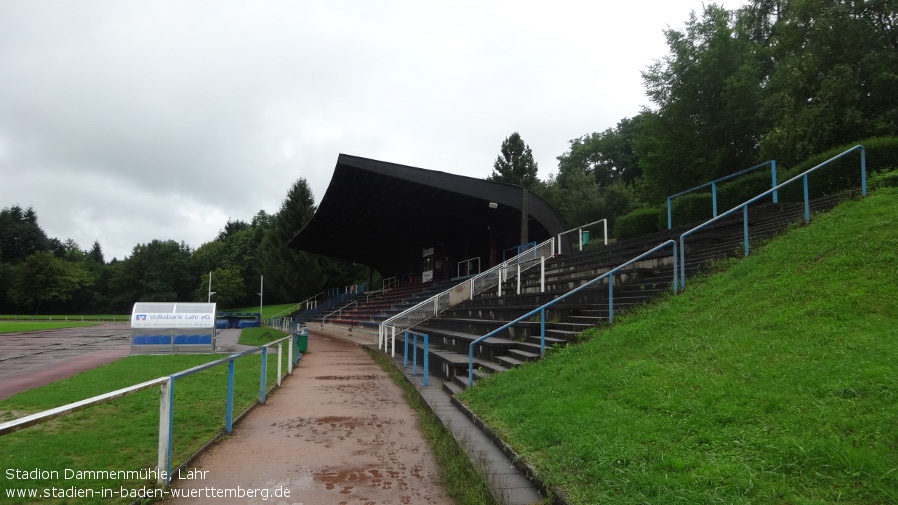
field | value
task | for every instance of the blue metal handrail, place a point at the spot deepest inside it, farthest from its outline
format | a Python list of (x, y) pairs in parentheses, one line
[(744, 206), (542, 310), (415, 354), (713, 185)]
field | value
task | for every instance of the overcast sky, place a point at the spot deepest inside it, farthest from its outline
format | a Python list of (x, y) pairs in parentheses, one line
[(129, 121)]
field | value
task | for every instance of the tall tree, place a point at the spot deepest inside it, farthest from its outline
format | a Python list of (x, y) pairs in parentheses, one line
[(832, 78), (608, 156), (43, 281), (155, 272), (515, 164), (290, 275), (96, 253), (707, 91), (227, 284), (20, 234)]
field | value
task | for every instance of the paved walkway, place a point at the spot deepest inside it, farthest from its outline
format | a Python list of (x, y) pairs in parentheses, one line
[(337, 432)]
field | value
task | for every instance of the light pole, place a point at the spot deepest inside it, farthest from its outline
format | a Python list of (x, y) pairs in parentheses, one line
[(209, 300), (261, 290)]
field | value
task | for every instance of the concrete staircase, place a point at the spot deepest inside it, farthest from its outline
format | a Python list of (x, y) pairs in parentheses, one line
[(451, 333)]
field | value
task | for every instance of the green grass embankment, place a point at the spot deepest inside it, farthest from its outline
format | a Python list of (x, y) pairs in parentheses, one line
[(774, 381)]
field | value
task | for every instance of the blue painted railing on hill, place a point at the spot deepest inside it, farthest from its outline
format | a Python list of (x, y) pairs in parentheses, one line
[(713, 185), (542, 310), (744, 206)]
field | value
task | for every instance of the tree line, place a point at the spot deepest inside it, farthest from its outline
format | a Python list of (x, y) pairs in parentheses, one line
[(43, 275), (774, 79)]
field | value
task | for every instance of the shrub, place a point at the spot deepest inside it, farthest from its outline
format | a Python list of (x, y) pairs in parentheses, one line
[(638, 222), (881, 153), (745, 187), (884, 179), (690, 208)]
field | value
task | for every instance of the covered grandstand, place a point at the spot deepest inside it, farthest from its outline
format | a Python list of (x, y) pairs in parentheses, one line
[(422, 225)]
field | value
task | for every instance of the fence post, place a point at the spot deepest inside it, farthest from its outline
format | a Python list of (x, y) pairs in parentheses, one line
[(229, 416), (807, 202), (863, 172), (166, 401), (745, 227), (542, 274), (714, 197), (669, 220), (426, 358), (405, 353), (280, 355), (519, 278), (611, 299), (773, 175), (264, 373), (290, 353)]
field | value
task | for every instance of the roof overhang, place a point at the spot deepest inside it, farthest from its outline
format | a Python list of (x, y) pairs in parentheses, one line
[(375, 213)]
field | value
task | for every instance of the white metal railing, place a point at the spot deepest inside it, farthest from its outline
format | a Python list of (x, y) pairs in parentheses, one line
[(339, 311), (389, 282), (466, 290), (468, 263), (163, 471), (580, 234)]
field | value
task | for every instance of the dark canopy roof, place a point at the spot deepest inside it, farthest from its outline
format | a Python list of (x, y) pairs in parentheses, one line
[(383, 214)]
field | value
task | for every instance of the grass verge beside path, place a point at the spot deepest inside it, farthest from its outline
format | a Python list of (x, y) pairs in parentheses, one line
[(121, 434), (774, 381), (260, 336), (462, 482)]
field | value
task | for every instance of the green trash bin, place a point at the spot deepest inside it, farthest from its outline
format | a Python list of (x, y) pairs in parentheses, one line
[(585, 237), (302, 339)]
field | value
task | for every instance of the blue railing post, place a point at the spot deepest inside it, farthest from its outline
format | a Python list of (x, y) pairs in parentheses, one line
[(405, 352), (714, 197), (669, 219), (807, 201), (264, 373), (415, 355), (745, 228), (229, 416), (611, 299), (426, 359), (542, 333), (863, 171), (773, 175)]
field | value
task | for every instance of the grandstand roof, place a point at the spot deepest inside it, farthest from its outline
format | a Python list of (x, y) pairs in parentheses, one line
[(379, 214)]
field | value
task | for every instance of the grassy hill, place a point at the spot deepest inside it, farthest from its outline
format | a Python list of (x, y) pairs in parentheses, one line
[(773, 381)]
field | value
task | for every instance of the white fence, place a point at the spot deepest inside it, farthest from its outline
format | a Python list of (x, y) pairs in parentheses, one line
[(467, 290)]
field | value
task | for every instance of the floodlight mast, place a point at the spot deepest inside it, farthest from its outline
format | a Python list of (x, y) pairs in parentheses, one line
[(209, 300), (261, 290)]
